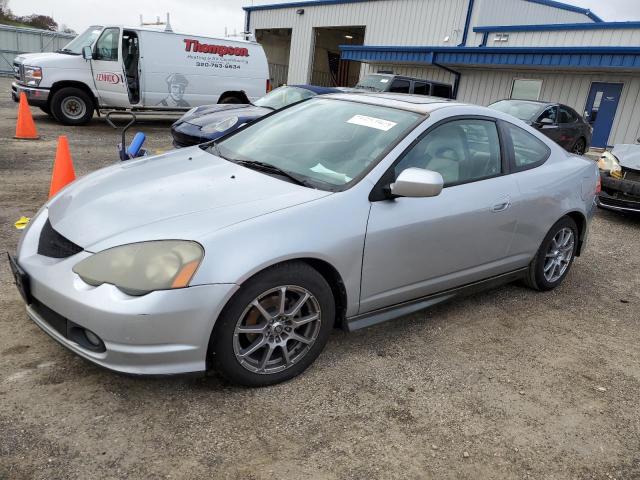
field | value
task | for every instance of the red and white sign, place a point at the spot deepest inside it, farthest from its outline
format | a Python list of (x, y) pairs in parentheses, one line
[(112, 78), (222, 50)]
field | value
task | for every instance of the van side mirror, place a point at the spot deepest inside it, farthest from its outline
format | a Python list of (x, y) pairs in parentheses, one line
[(417, 182), (87, 53)]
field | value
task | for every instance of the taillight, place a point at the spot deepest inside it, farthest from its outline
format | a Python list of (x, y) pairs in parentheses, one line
[(599, 185), (268, 85)]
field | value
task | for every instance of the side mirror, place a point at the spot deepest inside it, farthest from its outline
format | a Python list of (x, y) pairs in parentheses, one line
[(546, 121), (417, 182), (87, 53)]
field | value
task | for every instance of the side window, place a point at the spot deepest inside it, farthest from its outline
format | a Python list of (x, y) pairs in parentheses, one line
[(461, 151), (528, 151), (107, 45), (551, 113), (443, 91), (566, 116), (400, 86), (420, 88)]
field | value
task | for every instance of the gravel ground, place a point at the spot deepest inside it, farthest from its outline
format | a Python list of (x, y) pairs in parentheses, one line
[(506, 384)]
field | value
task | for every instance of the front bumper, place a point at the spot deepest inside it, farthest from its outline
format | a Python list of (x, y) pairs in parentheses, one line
[(163, 332), (619, 194), (37, 97)]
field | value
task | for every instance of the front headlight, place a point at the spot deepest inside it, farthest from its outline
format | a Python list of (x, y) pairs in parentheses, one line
[(140, 268), (32, 75), (609, 163), (222, 126)]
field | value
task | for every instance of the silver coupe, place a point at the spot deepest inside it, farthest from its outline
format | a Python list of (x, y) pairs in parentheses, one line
[(343, 210)]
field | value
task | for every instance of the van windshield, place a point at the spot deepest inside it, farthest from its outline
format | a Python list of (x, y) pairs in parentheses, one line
[(74, 47), (375, 83)]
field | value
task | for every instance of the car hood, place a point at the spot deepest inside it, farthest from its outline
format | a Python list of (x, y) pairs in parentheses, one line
[(184, 194), (245, 113), (50, 59), (628, 155)]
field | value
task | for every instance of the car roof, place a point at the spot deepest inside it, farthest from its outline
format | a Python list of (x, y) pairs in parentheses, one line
[(404, 77), (542, 103), (415, 103), (320, 90)]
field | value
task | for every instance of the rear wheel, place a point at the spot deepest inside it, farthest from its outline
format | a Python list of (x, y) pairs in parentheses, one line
[(72, 106), (230, 99), (555, 256), (274, 327), (580, 147)]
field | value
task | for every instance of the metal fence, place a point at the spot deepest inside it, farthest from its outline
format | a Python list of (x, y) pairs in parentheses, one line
[(17, 40)]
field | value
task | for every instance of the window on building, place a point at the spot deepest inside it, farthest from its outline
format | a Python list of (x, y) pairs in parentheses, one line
[(461, 151), (528, 151), (526, 89), (400, 86), (107, 45)]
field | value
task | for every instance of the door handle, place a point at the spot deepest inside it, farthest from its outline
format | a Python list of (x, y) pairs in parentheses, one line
[(501, 205)]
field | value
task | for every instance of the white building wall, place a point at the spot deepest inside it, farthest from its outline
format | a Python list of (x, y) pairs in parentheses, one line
[(568, 38), (483, 86), (388, 22)]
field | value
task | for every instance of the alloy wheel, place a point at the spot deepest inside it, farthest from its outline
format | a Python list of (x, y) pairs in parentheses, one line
[(277, 329), (559, 255), (580, 147)]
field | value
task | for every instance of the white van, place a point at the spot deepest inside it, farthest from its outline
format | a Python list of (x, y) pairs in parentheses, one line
[(113, 67)]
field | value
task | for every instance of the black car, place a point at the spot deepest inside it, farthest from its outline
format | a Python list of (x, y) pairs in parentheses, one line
[(208, 122), (386, 82), (558, 122)]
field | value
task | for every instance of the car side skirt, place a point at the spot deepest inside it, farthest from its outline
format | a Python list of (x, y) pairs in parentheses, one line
[(368, 319)]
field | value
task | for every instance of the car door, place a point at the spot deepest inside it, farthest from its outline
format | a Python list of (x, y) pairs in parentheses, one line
[(108, 75), (419, 246)]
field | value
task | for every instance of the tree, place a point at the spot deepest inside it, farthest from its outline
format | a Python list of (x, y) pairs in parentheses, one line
[(43, 22)]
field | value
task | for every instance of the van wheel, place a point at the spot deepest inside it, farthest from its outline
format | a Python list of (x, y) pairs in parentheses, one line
[(72, 106), (46, 110), (230, 99)]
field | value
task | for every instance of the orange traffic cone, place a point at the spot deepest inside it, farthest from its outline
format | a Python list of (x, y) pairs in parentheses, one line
[(63, 172), (25, 128)]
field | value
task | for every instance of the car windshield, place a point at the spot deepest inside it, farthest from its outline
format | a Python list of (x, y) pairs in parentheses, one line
[(523, 110), (325, 142), (283, 96), (376, 83), (85, 38)]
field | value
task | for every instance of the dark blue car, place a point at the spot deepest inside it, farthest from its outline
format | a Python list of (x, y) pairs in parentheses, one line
[(208, 122)]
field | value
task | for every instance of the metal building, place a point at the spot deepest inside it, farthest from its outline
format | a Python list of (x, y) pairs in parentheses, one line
[(487, 49)]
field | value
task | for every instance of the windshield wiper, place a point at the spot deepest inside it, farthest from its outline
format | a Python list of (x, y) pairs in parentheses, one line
[(269, 168)]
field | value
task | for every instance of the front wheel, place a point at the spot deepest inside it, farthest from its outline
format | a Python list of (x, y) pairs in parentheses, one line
[(72, 106), (274, 327), (555, 256)]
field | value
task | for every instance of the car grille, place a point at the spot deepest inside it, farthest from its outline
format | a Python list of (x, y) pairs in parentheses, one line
[(631, 175), (54, 245), (18, 72)]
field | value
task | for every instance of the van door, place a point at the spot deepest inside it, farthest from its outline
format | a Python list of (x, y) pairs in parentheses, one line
[(108, 74)]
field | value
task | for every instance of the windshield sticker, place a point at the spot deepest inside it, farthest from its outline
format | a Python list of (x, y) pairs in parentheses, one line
[(372, 122), (384, 80), (319, 168)]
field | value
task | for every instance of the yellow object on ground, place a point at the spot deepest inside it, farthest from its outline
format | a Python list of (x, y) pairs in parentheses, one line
[(22, 223)]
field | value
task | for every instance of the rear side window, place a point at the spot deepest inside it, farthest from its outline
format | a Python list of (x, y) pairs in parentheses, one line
[(567, 115), (528, 151), (443, 91), (420, 88), (400, 86)]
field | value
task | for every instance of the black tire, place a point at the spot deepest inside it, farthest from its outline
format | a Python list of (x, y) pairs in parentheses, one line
[(221, 345), (580, 147), (66, 98), (46, 110), (536, 275), (230, 99)]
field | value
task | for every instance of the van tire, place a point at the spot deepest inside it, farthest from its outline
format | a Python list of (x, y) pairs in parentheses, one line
[(230, 99), (46, 110), (72, 106)]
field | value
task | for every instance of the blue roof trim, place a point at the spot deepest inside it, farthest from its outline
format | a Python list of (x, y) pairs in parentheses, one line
[(315, 3), (550, 57), (570, 8), (549, 27)]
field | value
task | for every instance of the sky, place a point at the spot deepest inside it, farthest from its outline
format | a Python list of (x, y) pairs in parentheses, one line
[(210, 17)]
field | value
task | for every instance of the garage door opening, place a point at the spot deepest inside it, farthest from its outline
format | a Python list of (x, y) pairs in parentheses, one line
[(328, 69), (277, 46)]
